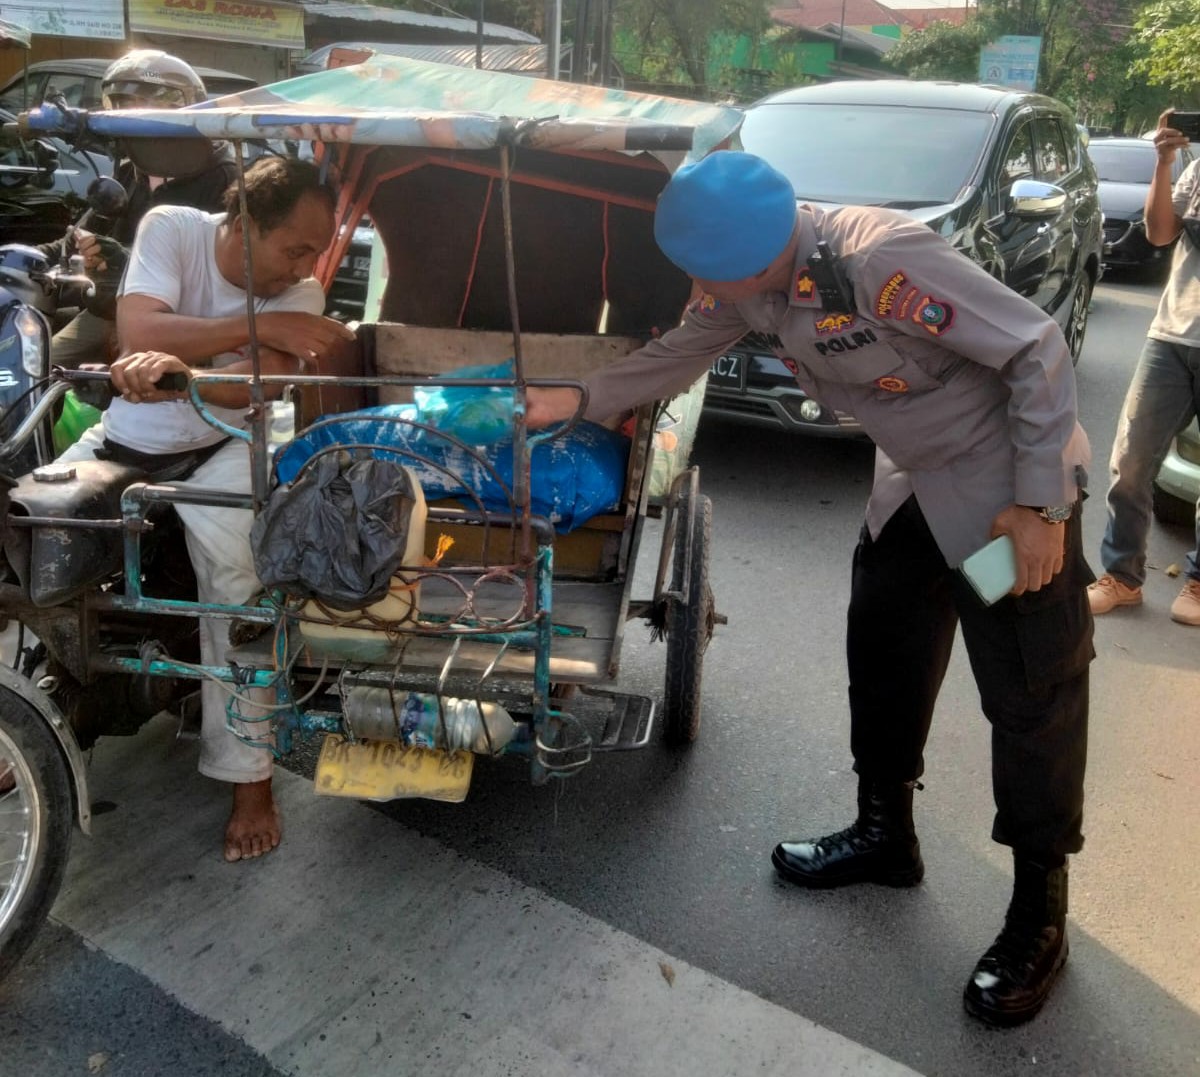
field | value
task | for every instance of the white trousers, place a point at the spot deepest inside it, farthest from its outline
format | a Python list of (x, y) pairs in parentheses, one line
[(218, 542)]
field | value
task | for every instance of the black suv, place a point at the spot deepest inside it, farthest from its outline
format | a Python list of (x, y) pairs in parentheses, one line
[(1001, 174)]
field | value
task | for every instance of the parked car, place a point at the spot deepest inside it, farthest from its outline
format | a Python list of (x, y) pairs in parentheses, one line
[(1177, 485), (1001, 174), (43, 184), (79, 82), (347, 295), (1125, 167)]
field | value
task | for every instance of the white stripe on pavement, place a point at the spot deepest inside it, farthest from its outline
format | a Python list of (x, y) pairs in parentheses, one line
[(360, 948)]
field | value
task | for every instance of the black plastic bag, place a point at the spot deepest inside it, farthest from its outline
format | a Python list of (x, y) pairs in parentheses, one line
[(338, 532)]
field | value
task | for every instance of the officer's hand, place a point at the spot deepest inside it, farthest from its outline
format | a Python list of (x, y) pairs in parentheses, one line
[(306, 336), (547, 406), (135, 376), (1167, 140), (1039, 546)]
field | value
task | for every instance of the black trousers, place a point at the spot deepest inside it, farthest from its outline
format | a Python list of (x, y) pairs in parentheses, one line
[(1029, 654)]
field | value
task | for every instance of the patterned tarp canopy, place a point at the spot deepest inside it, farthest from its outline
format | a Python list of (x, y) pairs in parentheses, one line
[(402, 102)]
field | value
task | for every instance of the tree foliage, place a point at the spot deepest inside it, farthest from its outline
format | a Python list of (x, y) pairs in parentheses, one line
[(1170, 34), (1088, 53), (941, 51), (673, 37)]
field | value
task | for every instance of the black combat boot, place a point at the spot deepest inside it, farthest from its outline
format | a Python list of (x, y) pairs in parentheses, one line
[(879, 847), (1013, 979)]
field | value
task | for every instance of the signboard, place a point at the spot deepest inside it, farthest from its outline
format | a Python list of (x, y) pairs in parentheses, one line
[(1011, 61), (243, 22), (69, 18)]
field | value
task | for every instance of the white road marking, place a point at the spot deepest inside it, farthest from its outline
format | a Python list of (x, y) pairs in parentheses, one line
[(361, 948)]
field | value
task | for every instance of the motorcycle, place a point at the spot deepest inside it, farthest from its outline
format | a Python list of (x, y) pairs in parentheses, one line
[(32, 292)]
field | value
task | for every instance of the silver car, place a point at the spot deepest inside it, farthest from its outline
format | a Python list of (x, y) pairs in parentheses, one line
[(1177, 486)]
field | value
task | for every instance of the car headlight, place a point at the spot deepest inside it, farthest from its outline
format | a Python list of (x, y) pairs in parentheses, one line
[(32, 331)]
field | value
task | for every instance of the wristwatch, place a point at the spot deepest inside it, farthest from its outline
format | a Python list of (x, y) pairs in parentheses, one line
[(1055, 514)]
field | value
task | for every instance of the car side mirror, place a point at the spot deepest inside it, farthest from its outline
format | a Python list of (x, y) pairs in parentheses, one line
[(1032, 198)]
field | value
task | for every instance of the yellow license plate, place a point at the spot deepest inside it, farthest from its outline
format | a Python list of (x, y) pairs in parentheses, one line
[(383, 770)]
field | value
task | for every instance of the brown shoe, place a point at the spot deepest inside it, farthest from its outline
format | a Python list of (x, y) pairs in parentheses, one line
[(1107, 593), (1186, 608)]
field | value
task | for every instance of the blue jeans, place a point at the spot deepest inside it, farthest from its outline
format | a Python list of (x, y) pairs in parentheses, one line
[(1163, 397)]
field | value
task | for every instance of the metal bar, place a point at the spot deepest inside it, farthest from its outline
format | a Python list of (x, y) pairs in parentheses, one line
[(520, 450), (259, 460), (32, 422)]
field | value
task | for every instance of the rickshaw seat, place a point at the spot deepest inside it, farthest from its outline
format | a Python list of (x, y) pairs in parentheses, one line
[(394, 349)]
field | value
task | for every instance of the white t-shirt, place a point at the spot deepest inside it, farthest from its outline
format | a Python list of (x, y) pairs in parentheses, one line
[(1178, 318), (174, 260)]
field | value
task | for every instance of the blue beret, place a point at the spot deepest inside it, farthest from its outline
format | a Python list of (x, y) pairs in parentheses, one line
[(726, 217)]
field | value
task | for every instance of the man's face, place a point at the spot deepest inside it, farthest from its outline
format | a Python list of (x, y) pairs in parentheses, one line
[(288, 253)]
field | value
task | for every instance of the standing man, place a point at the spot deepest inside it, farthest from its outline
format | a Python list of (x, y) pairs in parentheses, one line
[(968, 391), (144, 78), (183, 307), (1163, 397)]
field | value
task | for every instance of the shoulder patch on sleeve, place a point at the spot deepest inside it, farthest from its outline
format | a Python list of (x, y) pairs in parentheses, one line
[(933, 315), (885, 302)]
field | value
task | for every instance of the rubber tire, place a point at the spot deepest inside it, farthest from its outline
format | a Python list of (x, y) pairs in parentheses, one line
[(52, 785), (1081, 299), (1172, 510), (689, 625)]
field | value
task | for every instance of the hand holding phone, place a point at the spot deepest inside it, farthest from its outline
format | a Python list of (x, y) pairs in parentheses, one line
[(1186, 123), (992, 570)]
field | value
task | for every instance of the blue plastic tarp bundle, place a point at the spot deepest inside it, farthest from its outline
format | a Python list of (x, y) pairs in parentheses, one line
[(572, 478)]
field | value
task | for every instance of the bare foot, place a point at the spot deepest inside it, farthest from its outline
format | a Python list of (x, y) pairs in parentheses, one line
[(254, 827)]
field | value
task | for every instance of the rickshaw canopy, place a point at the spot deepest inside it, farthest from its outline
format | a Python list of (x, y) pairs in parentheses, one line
[(420, 149)]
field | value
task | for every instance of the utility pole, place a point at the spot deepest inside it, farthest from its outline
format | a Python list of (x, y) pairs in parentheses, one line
[(583, 40), (552, 31), (479, 37), (604, 45)]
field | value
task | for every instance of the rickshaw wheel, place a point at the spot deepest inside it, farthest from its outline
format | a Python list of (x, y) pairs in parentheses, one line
[(36, 809), (689, 621)]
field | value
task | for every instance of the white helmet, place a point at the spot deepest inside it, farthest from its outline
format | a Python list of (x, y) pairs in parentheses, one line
[(153, 75)]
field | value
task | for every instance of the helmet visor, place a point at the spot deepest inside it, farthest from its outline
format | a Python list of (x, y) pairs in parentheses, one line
[(129, 94)]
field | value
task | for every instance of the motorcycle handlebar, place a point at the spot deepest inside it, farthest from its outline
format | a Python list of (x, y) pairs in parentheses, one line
[(95, 386)]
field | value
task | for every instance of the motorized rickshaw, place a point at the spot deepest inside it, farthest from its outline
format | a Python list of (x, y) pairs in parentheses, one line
[(516, 220)]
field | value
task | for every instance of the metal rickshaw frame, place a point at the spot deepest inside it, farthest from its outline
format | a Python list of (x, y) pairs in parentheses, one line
[(556, 740)]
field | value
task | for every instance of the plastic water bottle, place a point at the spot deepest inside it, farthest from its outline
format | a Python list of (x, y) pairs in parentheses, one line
[(413, 719)]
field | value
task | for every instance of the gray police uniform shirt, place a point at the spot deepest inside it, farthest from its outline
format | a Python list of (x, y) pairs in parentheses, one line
[(966, 388), (1177, 320)]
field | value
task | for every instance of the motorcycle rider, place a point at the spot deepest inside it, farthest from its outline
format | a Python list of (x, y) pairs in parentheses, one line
[(143, 78)]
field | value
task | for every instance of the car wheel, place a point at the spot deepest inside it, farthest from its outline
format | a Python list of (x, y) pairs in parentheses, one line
[(1077, 318), (1169, 509)]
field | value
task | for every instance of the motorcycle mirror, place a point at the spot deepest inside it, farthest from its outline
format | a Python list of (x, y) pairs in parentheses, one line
[(46, 156), (106, 197)]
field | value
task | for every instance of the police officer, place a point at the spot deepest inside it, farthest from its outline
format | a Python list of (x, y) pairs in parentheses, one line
[(969, 394), (143, 78)]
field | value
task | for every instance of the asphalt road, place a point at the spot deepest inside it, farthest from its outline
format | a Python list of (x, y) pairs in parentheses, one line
[(670, 849)]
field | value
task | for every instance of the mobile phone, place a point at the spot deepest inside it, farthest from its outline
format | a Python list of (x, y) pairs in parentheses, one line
[(1186, 123), (992, 570)]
